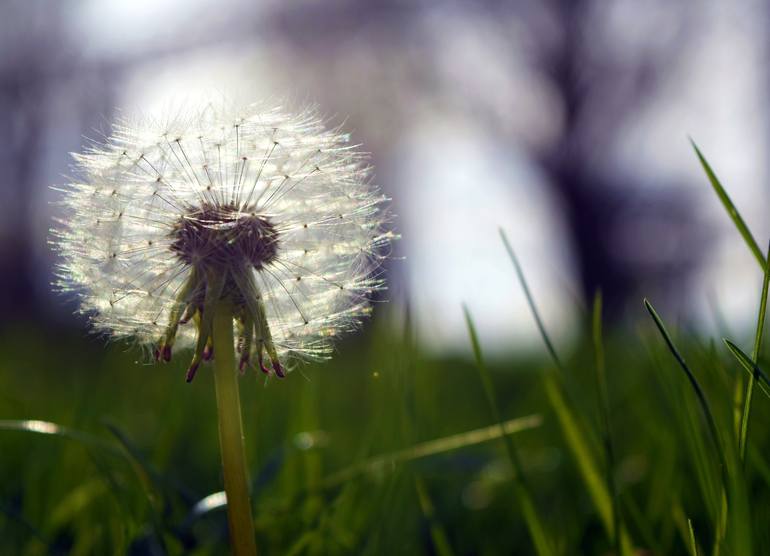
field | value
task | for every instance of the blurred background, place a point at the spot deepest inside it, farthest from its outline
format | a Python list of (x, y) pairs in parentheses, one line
[(565, 122)]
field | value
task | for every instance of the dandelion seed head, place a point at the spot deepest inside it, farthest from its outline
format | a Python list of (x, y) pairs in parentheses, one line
[(273, 211)]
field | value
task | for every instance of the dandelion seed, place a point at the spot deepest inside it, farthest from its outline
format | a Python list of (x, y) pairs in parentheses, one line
[(271, 211)]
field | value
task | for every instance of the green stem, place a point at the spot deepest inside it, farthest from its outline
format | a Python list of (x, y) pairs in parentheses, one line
[(231, 434), (744, 432), (535, 525)]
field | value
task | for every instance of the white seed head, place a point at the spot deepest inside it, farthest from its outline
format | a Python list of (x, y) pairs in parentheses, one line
[(270, 210)]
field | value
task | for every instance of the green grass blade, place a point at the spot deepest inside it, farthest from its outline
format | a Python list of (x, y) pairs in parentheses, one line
[(620, 542), (579, 441), (581, 450), (701, 396), (437, 533), (75, 502), (303, 543), (732, 211), (746, 415), (728, 485), (643, 525), (534, 523), (53, 429), (377, 464), (453, 442), (531, 301), (149, 478), (751, 367), (489, 391), (693, 544)]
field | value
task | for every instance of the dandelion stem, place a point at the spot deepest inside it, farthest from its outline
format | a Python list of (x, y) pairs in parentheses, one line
[(231, 434)]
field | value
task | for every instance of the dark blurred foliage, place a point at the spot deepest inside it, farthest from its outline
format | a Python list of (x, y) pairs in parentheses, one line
[(131, 473)]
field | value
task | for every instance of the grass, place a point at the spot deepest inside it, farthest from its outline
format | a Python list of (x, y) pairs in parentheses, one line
[(651, 440)]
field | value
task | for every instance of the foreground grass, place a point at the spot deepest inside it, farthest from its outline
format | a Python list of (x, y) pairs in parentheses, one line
[(368, 454), (653, 440)]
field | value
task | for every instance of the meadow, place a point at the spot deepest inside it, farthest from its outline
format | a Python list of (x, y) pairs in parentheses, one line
[(631, 440)]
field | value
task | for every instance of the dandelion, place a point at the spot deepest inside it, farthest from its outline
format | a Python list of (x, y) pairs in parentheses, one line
[(269, 210), (180, 233)]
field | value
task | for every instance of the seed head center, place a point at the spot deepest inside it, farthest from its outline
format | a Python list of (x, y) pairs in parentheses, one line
[(224, 236)]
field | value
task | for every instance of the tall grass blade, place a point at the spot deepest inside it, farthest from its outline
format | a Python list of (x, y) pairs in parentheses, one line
[(641, 521), (604, 406), (729, 484), (534, 523), (53, 429), (751, 367), (746, 415), (531, 301), (732, 211), (705, 408), (149, 478), (581, 450), (434, 447), (582, 445), (388, 462), (693, 544), (437, 533)]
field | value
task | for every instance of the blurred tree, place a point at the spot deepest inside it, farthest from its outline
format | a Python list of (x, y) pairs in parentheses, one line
[(604, 71), (31, 46)]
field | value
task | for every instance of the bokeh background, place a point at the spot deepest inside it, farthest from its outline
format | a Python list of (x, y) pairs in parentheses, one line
[(564, 122)]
